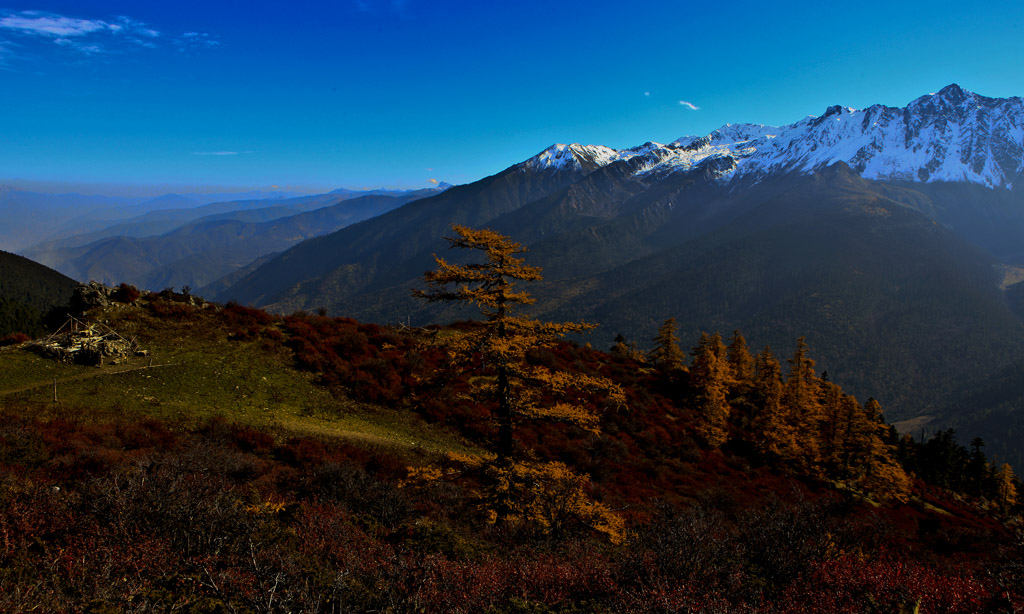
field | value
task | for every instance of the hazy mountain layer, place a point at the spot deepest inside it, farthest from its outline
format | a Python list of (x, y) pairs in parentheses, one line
[(200, 252), (33, 217)]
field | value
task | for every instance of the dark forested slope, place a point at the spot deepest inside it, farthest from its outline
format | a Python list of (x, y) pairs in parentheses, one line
[(28, 292)]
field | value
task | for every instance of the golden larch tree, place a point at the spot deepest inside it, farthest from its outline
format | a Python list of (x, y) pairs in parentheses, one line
[(495, 353), (741, 363), (709, 375), (667, 355), (881, 473), (775, 435), (1006, 490), (803, 406), (626, 349), (833, 426)]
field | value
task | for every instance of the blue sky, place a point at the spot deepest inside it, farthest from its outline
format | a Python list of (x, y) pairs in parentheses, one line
[(100, 95)]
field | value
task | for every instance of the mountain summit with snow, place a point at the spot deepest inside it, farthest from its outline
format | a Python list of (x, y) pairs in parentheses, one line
[(953, 135)]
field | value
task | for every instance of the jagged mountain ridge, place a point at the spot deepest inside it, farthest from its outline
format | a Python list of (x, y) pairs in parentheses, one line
[(661, 193), (725, 231), (952, 135)]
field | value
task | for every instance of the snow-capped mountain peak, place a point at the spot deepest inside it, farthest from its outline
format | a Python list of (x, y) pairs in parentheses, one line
[(573, 155), (951, 135)]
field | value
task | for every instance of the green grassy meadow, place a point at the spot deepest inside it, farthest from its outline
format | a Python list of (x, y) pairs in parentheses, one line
[(196, 373)]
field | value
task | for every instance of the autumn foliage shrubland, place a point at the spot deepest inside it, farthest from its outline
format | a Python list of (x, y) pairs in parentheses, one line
[(126, 516), (739, 482)]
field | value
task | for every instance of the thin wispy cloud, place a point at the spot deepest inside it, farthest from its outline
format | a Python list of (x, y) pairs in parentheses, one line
[(219, 153), (61, 27), (134, 27), (689, 105), (190, 41), (90, 37), (397, 7), (82, 47), (43, 24), (7, 53)]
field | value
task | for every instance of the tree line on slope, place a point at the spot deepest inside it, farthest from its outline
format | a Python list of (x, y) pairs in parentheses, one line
[(807, 423), (802, 423)]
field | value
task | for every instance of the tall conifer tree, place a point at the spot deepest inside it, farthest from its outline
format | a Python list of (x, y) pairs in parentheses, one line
[(802, 403), (667, 355), (1006, 489), (882, 473), (775, 434), (741, 363), (518, 391), (710, 376)]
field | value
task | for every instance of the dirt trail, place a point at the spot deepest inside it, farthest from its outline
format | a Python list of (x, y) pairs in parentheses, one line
[(102, 371)]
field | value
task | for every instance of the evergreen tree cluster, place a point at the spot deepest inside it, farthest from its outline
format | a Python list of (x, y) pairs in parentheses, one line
[(941, 461), (801, 421), (807, 423)]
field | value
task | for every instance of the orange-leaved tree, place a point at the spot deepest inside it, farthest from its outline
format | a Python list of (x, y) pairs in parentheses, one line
[(667, 355), (709, 376), (515, 389)]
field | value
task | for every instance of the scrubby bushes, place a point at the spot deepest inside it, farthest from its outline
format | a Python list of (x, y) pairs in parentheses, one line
[(133, 516), (373, 363), (126, 293), (14, 339), (140, 515)]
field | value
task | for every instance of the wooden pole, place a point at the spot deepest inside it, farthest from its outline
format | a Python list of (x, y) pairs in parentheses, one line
[(55, 390)]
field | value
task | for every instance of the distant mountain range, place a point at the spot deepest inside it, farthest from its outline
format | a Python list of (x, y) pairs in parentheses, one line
[(197, 245), (953, 135), (33, 217), (883, 235)]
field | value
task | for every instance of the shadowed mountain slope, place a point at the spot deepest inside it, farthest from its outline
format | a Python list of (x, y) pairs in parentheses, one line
[(392, 246), (881, 235), (28, 291), (875, 284)]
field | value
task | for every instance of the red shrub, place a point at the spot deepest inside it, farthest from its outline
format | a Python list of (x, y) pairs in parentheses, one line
[(235, 314), (303, 451), (172, 310), (249, 439), (377, 364), (126, 293), (14, 339), (326, 531), (477, 585), (848, 583), (145, 433)]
